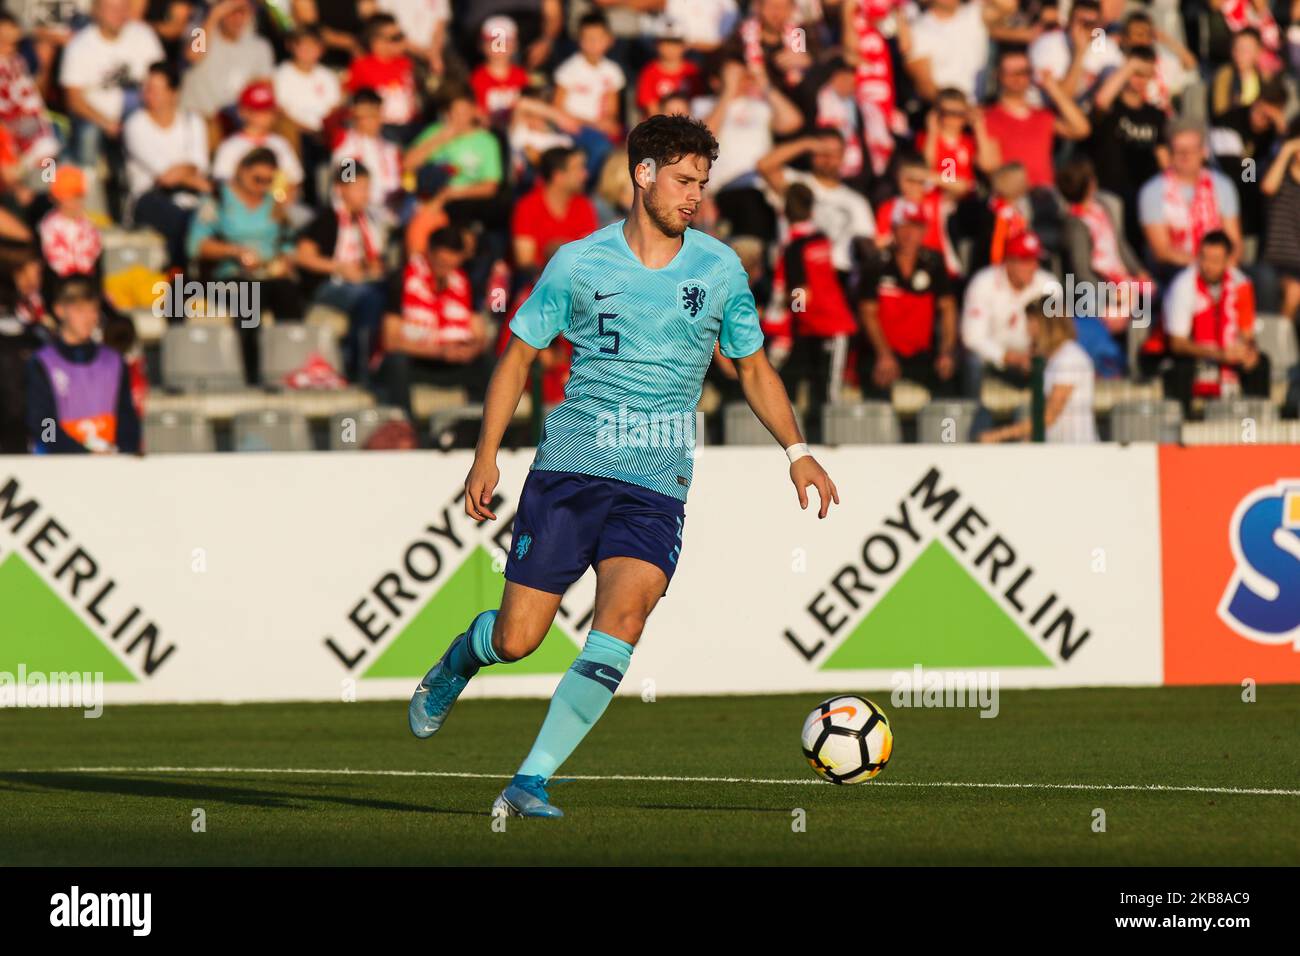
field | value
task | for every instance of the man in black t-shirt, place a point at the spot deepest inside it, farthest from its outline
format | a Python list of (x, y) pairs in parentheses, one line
[(904, 293), (1128, 134)]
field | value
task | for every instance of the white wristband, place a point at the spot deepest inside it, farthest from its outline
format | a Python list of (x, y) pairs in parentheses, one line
[(797, 451)]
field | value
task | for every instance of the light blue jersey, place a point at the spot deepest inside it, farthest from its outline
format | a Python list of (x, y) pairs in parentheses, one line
[(642, 340)]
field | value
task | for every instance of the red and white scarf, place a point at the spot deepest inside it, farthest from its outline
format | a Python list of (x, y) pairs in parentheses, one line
[(1239, 14), (875, 70), (792, 38), (1106, 260), (1188, 223), (1217, 323), (357, 242)]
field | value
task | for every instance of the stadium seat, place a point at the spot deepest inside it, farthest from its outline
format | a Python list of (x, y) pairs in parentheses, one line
[(1265, 433), (333, 319), (124, 249), (201, 359), (149, 328), (1276, 338), (350, 430), (1146, 421), (272, 430), (173, 433), (1240, 409), (946, 420), (1001, 399), (286, 346), (446, 425), (861, 423), (741, 427), (908, 398), (1109, 392), (426, 400)]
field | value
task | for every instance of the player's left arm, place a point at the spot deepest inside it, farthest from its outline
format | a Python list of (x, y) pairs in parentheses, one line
[(741, 340), (767, 397)]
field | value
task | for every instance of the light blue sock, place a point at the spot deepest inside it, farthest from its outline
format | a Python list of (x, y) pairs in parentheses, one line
[(476, 649), (583, 694)]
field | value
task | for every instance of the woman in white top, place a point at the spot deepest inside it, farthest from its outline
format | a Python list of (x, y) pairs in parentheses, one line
[(1067, 382)]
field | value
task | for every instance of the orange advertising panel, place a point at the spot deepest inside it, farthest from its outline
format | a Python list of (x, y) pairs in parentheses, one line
[(1230, 542)]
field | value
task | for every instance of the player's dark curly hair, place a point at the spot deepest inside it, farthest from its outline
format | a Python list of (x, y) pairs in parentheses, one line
[(667, 139)]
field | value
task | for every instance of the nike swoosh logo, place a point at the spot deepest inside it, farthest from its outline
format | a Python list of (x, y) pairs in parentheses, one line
[(609, 294), (851, 711)]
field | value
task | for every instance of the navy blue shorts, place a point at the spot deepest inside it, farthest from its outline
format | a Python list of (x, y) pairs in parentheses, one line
[(568, 522)]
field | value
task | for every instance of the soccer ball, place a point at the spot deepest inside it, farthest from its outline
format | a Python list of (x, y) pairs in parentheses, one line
[(847, 739)]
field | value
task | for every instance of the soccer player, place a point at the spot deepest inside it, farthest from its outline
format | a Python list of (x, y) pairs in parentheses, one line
[(642, 301)]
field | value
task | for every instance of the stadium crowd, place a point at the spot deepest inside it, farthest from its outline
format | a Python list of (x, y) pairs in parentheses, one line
[(934, 193)]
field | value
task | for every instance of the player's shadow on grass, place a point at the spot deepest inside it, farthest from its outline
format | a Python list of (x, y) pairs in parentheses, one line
[(180, 790), (697, 807)]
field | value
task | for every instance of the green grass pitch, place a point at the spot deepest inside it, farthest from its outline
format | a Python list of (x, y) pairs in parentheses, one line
[(1117, 743)]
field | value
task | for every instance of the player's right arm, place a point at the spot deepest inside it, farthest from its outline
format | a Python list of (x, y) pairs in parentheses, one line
[(509, 379), (543, 316)]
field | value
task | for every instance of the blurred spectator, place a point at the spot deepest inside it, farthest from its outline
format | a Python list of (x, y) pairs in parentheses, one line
[(240, 232), (425, 24), (257, 111), (1180, 206), (70, 242), (364, 143), (461, 142), (436, 338), (555, 212), (499, 81), (1024, 132), (704, 24), (1173, 66), (536, 127), (341, 257), (773, 39), (1282, 243), (810, 322), (1209, 321), (1244, 137), (386, 69), (1128, 144), (102, 69), (669, 72), (231, 56), (340, 24), (1077, 54), (166, 161), (588, 86), (78, 391), (307, 93), (430, 213), (746, 114), (1240, 81), (993, 328), (950, 45), (951, 153), (916, 186), (1009, 212), (1067, 382), (22, 109), (909, 312), (840, 212)]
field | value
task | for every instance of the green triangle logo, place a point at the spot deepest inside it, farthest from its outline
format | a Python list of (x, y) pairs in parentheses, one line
[(474, 587), (40, 632), (938, 616)]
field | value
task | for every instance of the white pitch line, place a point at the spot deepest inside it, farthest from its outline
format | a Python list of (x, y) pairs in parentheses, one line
[(344, 772)]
